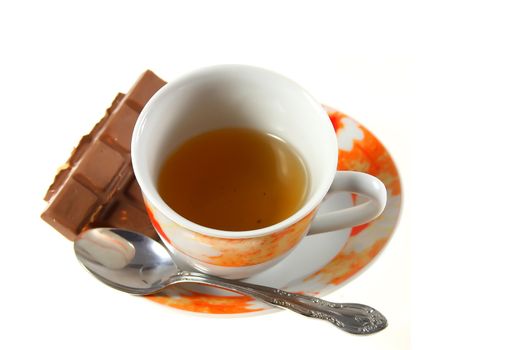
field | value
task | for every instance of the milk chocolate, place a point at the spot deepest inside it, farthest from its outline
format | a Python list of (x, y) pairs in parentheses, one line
[(96, 187)]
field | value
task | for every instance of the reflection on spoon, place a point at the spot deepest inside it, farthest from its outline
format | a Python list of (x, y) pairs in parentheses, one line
[(107, 248)]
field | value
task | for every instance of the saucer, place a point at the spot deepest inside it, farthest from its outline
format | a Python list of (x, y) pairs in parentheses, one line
[(320, 263)]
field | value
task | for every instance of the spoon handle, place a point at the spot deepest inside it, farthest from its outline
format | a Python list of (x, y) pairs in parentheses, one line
[(352, 318)]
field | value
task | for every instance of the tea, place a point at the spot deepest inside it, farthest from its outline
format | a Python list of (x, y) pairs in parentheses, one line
[(234, 179)]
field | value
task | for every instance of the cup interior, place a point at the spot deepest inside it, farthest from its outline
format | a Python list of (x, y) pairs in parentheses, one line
[(233, 96)]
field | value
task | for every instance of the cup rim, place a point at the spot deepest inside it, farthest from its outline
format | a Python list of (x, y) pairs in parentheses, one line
[(152, 195)]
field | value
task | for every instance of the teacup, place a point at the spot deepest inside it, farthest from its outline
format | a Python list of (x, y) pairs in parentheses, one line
[(228, 96)]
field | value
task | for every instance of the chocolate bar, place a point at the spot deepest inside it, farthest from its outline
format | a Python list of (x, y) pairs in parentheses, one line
[(96, 187)]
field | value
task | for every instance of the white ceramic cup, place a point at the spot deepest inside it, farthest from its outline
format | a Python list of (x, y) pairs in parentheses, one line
[(242, 96)]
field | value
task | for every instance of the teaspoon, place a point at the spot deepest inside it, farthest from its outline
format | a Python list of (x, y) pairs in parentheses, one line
[(136, 264)]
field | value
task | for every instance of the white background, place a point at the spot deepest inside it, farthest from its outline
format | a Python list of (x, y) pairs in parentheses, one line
[(441, 84)]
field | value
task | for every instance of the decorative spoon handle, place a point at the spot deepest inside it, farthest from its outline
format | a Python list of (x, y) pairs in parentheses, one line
[(351, 318)]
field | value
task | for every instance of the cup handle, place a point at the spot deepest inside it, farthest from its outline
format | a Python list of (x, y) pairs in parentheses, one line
[(355, 182)]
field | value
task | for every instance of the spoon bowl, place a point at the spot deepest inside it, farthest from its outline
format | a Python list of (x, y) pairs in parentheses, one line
[(136, 264), (125, 260)]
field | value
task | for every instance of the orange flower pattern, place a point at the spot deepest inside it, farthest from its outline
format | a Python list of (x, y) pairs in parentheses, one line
[(206, 303), (251, 251), (229, 252)]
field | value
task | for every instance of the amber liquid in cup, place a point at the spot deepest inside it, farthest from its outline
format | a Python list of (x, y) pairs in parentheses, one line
[(234, 179)]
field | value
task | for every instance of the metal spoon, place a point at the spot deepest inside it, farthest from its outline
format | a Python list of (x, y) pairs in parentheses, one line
[(136, 264)]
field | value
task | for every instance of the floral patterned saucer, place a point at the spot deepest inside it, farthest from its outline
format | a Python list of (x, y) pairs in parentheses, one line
[(320, 263)]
